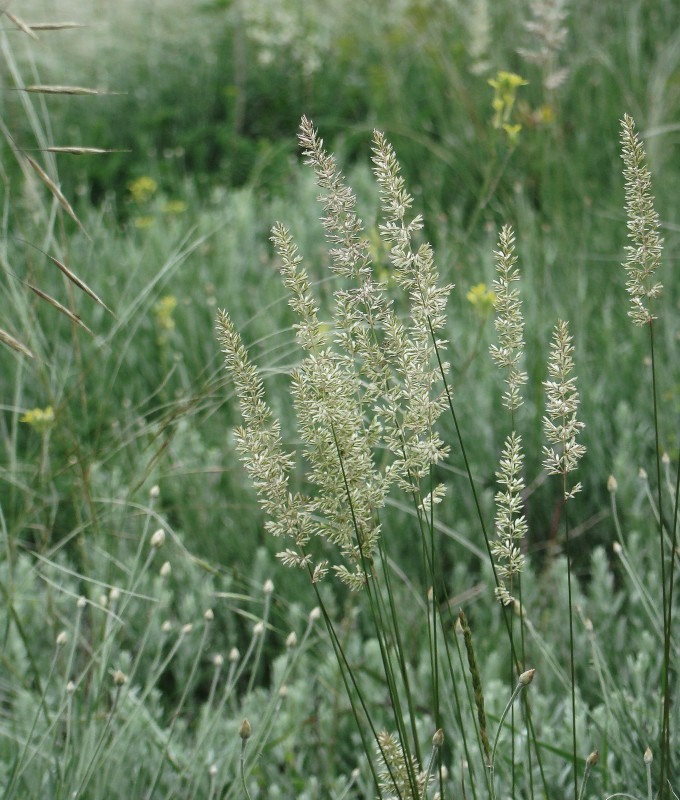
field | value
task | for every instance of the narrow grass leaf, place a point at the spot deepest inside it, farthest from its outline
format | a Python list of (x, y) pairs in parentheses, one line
[(21, 25), (79, 283), (40, 88), (62, 309), (15, 344), (81, 151), (56, 191), (54, 26)]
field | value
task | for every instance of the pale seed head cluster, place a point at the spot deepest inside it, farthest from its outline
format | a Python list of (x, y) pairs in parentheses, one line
[(510, 522), (366, 389), (394, 776), (644, 252), (560, 422), (509, 321)]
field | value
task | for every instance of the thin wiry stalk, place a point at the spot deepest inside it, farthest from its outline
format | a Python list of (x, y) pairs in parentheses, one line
[(643, 258), (561, 457)]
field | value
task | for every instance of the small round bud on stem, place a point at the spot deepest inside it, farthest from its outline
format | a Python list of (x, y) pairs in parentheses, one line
[(648, 757), (62, 638), (526, 677), (291, 640), (314, 614), (165, 570), (612, 484), (154, 491), (245, 730), (158, 539), (593, 758), (438, 738), (268, 587), (119, 677), (208, 615)]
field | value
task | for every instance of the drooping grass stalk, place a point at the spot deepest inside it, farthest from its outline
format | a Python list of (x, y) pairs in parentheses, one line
[(643, 258)]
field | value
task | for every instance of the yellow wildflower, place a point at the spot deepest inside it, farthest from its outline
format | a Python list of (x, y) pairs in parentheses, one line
[(505, 86), (40, 419), (143, 222), (481, 299), (175, 207), (142, 189)]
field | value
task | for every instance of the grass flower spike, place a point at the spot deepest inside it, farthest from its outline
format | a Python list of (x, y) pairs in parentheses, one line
[(560, 422), (644, 252), (509, 321)]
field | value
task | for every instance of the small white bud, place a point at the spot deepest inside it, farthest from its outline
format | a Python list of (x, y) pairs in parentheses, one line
[(212, 770), (82, 601), (114, 595), (258, 628), (70, 687), (268, 587), (165, 570), (119, 677), (438, 738), (158, 539), (616, 547), (612, 484), (283, 691), (218, 660), (154, 491), (314, 614), (526, 677), (642, 474), (665, 459), (208, 615), (62, 638), (166, 627), (648, 757), (234, 655), (186, 629), (103, 600), (593, 758), (291, 640)]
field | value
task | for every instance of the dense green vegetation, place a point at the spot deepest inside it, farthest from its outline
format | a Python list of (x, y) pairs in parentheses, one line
[(120, 422)]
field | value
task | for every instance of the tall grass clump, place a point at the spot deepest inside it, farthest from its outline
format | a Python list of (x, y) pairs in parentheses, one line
[(371, 392)]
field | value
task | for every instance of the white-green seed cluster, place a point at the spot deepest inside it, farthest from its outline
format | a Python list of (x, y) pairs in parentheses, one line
[(644, 252), (560, 422), (363, 390)]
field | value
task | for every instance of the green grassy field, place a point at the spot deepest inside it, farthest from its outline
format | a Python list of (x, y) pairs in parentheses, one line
[(145, 613)]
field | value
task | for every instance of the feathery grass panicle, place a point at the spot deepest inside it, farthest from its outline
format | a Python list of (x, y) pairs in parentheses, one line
[(644, 254), (394, 777), (511, 524), (560, 422), (260, 446), (411, 434), (509, 322), (370, 387)]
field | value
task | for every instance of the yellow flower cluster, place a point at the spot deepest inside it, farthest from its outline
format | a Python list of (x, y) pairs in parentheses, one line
[(481, 299), (505, 86), (40, 419), (142, 189)]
